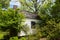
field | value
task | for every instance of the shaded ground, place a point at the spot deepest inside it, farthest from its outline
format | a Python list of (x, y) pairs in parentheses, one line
[(43, 39)]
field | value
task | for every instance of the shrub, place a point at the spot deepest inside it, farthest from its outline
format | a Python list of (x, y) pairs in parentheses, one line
[(23, 38), (13, 38)]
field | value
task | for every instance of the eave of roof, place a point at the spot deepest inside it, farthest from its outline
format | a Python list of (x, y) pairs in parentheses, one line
[(30, 15)]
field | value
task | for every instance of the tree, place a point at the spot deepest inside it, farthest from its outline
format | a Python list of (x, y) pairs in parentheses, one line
[(4, 3), (50, 25), (11, 20), (35, 6)]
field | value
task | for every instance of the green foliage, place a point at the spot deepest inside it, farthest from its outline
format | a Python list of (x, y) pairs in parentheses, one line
[(4, 3), (50, 25), (2, 34), (23, 38), (36, 6), (13, 38), (9, 19), (48, 11)]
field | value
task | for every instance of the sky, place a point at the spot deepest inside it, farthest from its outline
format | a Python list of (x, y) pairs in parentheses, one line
[(15, 2)]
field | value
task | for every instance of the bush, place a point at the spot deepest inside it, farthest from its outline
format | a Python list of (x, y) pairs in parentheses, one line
[(11, 20), (13, 38), (23, 38)]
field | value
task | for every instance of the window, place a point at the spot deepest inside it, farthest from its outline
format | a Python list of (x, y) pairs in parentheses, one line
[(33, 24)]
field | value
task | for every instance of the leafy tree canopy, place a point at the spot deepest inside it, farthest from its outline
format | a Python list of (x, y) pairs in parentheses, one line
[(4, 3), (9, 19)]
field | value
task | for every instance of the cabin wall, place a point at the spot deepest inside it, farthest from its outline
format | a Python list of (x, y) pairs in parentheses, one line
[(28, 23)]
